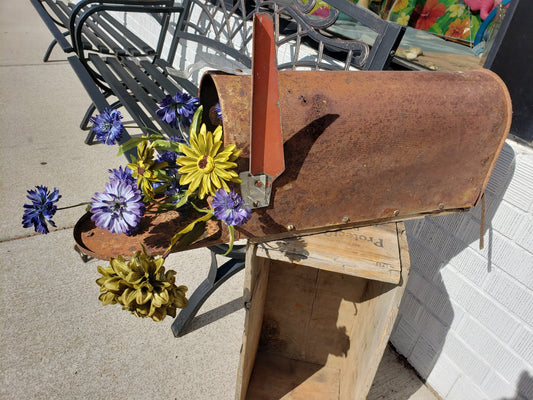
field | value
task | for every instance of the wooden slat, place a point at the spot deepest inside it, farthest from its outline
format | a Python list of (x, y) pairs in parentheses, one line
[(370, 334), (368, 252), (255, 291)]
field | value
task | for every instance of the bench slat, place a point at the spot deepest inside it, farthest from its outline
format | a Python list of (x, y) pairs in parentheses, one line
[(163, 80), (64, 11), (60, 10), (125, 97), (115, 39), (130, 76), (52, 26), (145, 80), (135, 40)]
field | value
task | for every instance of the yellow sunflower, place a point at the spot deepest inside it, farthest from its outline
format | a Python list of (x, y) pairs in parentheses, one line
[(205, 165)]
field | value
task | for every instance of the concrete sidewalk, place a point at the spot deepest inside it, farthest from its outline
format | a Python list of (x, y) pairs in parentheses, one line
[(58, 341)]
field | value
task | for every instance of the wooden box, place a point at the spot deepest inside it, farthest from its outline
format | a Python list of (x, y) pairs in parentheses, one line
[(320, 310)]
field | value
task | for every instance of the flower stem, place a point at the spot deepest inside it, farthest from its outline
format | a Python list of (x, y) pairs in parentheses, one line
[(143, 127), (74, 205)]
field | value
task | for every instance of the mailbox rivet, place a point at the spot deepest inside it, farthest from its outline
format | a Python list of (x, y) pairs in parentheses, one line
[(290, 227), (441, 206), (396, 212), (345, 219)]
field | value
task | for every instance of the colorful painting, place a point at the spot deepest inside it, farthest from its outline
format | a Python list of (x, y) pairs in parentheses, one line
[(451, 18)]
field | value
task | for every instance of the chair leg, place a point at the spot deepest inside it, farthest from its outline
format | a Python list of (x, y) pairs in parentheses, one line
[(216, 277), (49, 50), (84, 125), (51, 47)]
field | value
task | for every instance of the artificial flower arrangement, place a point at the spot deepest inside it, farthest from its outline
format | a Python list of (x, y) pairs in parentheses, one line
[(194, 170)]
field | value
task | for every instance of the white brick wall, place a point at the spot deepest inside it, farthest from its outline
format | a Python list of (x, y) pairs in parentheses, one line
[(466, 321)]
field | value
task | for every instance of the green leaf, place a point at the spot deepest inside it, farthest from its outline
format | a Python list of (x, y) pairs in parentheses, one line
[(133, 142), (201, 209), (190, 237), (187, 229), (183, 199), (166, 145), (231, 229), (197, 120)]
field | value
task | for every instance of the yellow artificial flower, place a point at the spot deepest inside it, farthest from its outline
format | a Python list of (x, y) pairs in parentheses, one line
[(205, 166), (141, 286), (145, 169)]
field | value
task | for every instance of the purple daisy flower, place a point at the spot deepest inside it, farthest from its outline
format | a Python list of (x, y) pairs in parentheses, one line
[(108, 127), (181, 106), (119, 208), (41, 210), (230, 208)]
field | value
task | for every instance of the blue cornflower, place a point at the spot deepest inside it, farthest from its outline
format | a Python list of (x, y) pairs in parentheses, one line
[(174, 188), (170, 157), (119, 208), (41, 210), (107, 126), (178, 108), (123, 175), (230, 208)]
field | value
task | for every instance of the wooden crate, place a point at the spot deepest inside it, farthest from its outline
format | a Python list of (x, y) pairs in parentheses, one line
[(320, 310)]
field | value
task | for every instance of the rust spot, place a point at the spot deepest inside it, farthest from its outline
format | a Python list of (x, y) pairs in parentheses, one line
[(320, 105)]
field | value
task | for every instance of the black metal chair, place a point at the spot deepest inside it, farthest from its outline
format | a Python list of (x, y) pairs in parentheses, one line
[(102, 32)]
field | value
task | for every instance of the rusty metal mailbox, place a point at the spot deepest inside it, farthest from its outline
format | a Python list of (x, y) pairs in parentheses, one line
[(368, 147)]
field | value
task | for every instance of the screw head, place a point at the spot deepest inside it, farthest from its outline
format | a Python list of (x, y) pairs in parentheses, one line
[(290, 227)]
